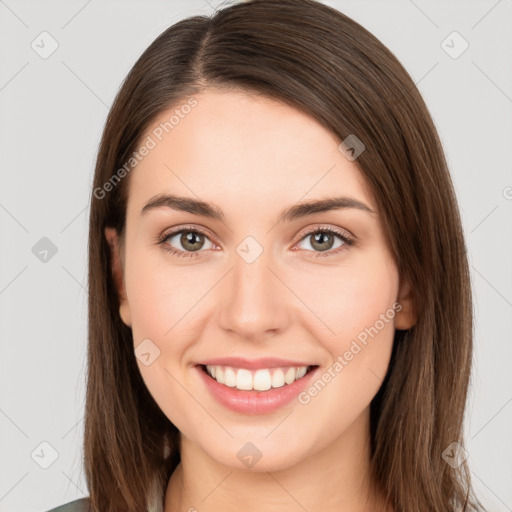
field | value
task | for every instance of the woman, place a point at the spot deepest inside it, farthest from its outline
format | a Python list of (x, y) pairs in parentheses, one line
[(280, 309)]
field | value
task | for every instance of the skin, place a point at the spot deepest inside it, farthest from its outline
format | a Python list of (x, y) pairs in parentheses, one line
[(254, 156)]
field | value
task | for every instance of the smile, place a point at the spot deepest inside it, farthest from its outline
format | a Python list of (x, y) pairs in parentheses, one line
[(255, 391), (257, 380)]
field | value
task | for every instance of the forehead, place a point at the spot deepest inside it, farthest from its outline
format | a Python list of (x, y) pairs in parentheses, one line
[(239, 148)]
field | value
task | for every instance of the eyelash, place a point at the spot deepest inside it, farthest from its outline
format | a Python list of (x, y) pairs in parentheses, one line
[(346, 239)]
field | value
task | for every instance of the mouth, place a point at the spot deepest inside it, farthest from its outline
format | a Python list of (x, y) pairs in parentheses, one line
[(255, 387), (260, 380)]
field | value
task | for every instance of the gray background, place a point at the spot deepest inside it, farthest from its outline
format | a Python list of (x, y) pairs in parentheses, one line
[(53, 112)]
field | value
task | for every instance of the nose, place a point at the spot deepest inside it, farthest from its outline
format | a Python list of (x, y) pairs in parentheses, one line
[(254, 303)]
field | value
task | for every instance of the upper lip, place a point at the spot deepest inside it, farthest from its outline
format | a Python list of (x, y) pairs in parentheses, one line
[(252, 364)]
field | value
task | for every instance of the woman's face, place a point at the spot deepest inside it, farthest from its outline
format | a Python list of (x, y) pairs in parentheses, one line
[(246, 281)]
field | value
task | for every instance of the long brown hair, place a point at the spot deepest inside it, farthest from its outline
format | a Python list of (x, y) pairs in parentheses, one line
[(317, 60)]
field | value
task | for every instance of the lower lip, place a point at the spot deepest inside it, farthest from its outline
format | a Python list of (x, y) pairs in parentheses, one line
[(255, 402)]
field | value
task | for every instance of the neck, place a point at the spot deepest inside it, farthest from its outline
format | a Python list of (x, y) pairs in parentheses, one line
[(336, 478)]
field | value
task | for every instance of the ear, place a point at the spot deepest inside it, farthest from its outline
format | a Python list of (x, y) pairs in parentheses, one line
[(118, 274), (405, 317)]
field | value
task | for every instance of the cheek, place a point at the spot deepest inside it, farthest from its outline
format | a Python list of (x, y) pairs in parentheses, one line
[(356, 302), (161, 296), (350, 297), (162, 304)]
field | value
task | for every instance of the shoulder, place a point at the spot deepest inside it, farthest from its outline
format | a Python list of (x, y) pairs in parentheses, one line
[(81, 505)]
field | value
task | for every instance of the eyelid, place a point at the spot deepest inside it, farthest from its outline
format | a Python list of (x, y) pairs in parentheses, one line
[(186, 227)]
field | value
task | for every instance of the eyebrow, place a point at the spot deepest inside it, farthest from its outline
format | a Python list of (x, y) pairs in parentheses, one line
[(206, 209)]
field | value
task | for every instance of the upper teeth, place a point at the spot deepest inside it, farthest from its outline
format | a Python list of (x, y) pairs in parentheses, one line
[(259, 380)]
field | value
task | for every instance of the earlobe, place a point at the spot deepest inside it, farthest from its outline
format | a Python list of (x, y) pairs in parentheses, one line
[(118, 274), (406, 316), (124, 313)]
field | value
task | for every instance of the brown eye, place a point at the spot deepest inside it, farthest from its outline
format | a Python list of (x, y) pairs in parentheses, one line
[(185, 242), (322, 241), (326, 240), (191, 240)]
